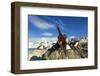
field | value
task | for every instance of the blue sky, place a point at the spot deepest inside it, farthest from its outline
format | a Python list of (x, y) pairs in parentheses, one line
[(45, 26)]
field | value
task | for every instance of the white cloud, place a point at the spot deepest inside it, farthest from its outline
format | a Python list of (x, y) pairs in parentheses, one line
[(39, 23), (47, 34), (72, 37), (41, 38)]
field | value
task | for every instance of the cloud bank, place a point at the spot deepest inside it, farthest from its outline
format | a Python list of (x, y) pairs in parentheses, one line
[(40, 23), (47, 34)]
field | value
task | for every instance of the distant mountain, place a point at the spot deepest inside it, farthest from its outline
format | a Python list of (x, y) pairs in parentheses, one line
[(47, 43)]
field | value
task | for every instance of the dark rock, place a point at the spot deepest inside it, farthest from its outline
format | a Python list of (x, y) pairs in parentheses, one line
[(37, 58)]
